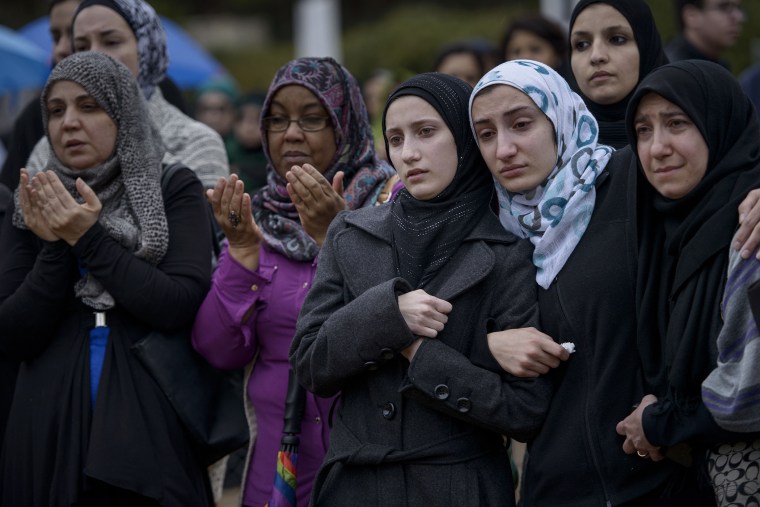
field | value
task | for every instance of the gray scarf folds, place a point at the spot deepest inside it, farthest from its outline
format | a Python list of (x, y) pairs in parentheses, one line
[(128, 184)]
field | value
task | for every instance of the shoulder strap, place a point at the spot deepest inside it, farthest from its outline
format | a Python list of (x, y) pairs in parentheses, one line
[(167, 174), (217, 235)]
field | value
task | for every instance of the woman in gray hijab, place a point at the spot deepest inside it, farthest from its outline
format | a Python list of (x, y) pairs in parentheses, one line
[(93, 250)]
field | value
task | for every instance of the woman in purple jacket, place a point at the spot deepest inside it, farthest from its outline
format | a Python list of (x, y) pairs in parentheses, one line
[(321, 160)]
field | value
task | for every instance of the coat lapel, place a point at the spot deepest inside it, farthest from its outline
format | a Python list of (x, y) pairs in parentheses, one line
[(470, 265), (365, 250), (473, 260)]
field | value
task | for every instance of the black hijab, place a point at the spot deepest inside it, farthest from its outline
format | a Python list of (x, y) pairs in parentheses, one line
[(684, 243), (611, 117), (427, 233)]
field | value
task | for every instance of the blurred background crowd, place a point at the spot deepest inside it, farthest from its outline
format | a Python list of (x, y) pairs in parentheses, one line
[(223, 53)]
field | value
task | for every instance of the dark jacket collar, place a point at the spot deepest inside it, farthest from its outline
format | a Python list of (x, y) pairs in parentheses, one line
[(377, 221)]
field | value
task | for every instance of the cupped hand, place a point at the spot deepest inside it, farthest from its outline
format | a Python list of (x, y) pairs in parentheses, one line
[(33, 217), (526, 352), (232, 210), (316, 200), (66, 218)]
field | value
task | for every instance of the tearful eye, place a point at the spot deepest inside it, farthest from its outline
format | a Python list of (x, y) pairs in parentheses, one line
[(642, 130), (485, 135)]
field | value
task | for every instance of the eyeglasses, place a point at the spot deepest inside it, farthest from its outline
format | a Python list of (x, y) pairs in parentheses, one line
[(306, 123), (728, 8)]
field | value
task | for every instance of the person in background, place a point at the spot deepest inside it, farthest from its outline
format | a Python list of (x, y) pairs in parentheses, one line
[(535, 37), (131, 32), (319, 145), (708, 28), (614, 44), (216, 105), (93, 251), (694, 133), (467, 60), (246, 153)]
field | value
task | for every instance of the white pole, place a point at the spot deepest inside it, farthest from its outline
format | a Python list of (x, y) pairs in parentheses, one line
[(317, 28), (558, 10)]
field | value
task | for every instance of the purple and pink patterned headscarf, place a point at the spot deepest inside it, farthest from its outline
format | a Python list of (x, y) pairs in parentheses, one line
[(365, 175)]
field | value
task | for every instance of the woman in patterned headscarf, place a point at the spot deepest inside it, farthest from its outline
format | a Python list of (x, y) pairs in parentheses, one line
[(320, 149), (575, 200), (130, 31), (398, 316), (92, 254)]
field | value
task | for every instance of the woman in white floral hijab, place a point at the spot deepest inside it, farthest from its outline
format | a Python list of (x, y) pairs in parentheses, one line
[(575, 200)]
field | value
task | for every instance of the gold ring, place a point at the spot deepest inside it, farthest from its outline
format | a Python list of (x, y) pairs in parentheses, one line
[(644, 454), (234, 218)]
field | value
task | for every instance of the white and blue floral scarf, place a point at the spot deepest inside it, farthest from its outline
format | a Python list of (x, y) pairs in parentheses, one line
[(555, 214)]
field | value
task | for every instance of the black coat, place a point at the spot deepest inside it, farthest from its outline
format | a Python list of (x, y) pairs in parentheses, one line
[(577, 458), (430, 432), (55, 443)]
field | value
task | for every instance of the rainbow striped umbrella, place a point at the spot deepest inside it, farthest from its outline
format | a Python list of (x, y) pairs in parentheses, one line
[(285, 478)]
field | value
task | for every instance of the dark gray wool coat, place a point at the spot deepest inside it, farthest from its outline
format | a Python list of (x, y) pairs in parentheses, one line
[(427, 433)]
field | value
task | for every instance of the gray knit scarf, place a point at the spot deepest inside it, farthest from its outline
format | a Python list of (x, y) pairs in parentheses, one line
[(128, 184)]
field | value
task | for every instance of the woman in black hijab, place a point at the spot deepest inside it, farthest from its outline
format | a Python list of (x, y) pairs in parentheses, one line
[(695, 136), (397, 320), (614, 44)]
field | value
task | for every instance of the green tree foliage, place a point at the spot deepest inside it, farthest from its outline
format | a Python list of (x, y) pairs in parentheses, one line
[(406, 39)]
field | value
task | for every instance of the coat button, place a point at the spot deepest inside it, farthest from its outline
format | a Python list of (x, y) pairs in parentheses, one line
[(386, 354), (441, 391), (371, 365), (464, 405), (254, 287), (389, 410)]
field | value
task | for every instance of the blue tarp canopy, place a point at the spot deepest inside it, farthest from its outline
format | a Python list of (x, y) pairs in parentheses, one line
[(23, 65)]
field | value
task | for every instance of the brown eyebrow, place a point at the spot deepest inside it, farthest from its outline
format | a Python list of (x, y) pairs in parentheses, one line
[(510, 112), (614, 28), (104, 33), (661, 114), (78, 98), (417, 123), (305, 108)]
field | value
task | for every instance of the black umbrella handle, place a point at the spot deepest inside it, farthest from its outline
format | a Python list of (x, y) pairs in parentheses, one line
[(295, 403)]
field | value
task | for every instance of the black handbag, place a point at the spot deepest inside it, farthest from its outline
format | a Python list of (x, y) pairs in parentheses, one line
[(208, 401)]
